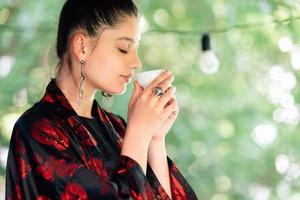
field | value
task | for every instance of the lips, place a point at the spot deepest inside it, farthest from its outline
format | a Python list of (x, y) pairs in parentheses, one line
[(127, 78)]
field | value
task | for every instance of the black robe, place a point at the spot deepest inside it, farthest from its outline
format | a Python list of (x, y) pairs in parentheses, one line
[(52, 155)]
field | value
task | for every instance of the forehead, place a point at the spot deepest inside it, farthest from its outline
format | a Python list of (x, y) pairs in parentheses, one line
[(126, 30)]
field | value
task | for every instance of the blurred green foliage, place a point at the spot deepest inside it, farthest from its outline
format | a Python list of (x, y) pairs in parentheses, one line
[(234, 139)]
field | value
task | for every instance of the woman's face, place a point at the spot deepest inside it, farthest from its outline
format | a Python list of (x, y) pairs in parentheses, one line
[(111, 64)]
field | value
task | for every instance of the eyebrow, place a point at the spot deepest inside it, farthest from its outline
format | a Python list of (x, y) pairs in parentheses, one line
[(127, 39)]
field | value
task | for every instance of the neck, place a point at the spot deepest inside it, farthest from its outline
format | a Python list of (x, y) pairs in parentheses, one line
[(68, 82)]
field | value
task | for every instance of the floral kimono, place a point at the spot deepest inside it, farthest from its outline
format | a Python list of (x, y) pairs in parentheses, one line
[(53, 155)]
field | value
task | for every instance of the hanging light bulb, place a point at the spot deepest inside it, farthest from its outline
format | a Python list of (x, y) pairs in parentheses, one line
[(208, 61)]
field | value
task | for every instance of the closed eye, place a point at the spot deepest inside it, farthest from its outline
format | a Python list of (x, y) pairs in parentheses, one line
[(123, 51)]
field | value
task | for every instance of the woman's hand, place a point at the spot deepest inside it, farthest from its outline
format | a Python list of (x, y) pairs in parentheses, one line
[(172, 104), (149, 114), (161, 134)]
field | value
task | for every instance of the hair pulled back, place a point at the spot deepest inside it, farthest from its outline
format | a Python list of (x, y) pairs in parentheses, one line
[(90, 16)]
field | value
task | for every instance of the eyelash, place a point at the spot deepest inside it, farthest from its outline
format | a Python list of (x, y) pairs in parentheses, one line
[(123, 51)]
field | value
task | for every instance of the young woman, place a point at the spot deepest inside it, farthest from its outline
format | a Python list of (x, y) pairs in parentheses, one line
[(67, 147)]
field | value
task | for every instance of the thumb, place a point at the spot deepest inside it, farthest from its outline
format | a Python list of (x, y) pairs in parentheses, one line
[(137, 89)]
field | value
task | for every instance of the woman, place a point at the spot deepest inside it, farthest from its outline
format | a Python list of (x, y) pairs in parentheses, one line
[(67, 147)]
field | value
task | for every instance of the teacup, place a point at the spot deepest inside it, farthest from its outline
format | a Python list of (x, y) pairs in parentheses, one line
[(146, 77)]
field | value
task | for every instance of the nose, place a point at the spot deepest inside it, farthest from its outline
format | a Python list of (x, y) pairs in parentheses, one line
[(135, 62)]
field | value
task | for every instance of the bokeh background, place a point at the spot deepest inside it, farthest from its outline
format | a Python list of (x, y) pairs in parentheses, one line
[(237, 134)]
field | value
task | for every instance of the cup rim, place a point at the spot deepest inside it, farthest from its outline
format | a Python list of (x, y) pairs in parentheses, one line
[(148, 71)]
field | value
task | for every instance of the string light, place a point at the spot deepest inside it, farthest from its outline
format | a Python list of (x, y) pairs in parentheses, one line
[(22, 30), (226, 29), (208, 61)]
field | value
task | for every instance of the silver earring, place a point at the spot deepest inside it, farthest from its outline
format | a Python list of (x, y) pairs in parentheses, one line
[(107, 99), (82, 77)]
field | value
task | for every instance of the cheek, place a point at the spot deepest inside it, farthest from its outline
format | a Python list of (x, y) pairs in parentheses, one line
[(109, 65), (105, 67), (105, 58)]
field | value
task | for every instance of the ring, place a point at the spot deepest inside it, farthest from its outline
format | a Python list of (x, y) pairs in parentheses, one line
[(158, 91)]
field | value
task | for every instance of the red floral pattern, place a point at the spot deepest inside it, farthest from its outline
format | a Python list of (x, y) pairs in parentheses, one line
[(74, 191), (42, 197), (51, 167), (24, 168), (48, 98), (136, 195), (53, 155), (47, 133), (85, 137), (98, 166)]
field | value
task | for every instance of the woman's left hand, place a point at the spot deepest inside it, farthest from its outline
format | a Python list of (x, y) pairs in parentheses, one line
[(163, 131)]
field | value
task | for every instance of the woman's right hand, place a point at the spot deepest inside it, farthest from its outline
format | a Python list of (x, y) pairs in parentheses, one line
[(147, 112), (146, 115)]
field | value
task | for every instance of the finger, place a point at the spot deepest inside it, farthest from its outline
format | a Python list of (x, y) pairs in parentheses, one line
[(137, 89), (170, 108), (165, 99), (167, 83), (174, 113), (173, 116), (157, 81)]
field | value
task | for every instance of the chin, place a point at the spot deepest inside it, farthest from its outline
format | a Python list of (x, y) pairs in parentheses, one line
[(123, 90), (120, 91)]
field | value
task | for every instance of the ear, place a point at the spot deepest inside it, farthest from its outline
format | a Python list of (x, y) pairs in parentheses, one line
[(79, 45)]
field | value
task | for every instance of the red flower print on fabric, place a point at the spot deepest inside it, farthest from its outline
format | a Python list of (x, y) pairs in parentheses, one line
[(103, 117), (162, 192), (98, 166), (178, 191), (48, 98), (137, 196), (74, 191), (127, 163), (48, 133), (86, 138), (24, 168), (42, 197), (51, 167), (17, 195)]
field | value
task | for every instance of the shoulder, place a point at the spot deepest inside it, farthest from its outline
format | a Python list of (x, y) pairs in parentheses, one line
[(38, 115), (29, 117), (43, 127)]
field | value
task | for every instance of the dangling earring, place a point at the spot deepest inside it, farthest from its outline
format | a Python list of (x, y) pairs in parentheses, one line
[(107, 99), (82, 77)]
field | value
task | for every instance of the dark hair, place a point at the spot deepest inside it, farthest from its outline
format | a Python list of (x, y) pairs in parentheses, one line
[(90, 15)]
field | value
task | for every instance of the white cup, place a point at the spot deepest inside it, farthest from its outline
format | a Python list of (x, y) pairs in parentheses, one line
[(145, 78)]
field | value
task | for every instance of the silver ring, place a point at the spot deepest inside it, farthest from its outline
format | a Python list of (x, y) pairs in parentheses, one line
[(158, 91)]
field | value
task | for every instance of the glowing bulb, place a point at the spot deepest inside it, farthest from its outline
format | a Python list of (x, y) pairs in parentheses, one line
[(285, 44), (208, 62)]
